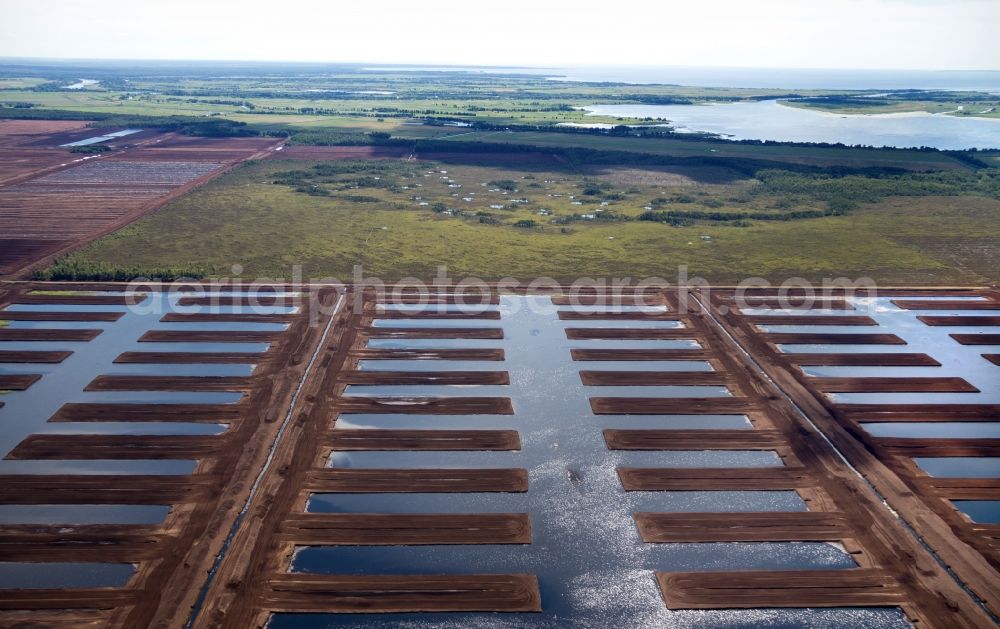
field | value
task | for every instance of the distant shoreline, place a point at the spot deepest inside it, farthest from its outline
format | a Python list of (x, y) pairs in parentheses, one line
[(686, 76)]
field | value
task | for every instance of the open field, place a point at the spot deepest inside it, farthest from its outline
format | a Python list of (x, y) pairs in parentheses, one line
[(362, 111), (20, 150), (247, 218), (19, 83)]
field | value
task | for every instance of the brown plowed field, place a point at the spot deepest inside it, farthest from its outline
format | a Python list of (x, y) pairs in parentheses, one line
[(52, 200), (20, 151), (57, 140), (14, 128), (189, 149)]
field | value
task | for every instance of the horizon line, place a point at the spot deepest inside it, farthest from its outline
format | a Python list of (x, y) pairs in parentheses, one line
[(57, 59)]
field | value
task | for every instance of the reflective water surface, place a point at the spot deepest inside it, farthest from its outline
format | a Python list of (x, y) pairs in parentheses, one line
[(593, 569), (772, 120), (27, 413)]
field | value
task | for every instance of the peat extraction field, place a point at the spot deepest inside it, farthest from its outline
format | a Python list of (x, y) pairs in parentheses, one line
[(132, 423), (303, 456), (52, 199)]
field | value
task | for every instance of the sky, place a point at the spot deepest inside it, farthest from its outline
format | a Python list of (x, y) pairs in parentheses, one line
[(870, 34)]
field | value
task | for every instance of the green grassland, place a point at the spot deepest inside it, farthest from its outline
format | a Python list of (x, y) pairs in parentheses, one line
[(113, 102), (302, 82), (992, 158), (19, 83), (262, 110), (267, 227)]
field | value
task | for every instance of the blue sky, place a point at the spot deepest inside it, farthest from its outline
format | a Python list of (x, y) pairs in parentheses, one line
[(878, 34)]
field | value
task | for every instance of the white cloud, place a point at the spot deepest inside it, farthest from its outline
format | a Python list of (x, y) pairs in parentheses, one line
[(917, 34)]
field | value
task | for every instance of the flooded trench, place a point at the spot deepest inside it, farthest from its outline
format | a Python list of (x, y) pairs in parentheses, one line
[(592, 567), (27, 413), (955, 360)]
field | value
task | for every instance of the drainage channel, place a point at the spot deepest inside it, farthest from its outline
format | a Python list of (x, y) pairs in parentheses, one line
[(592, 567), (203, 592), (759, 369)]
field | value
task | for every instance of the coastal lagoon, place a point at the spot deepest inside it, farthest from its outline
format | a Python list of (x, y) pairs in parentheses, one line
[(772, 120)]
